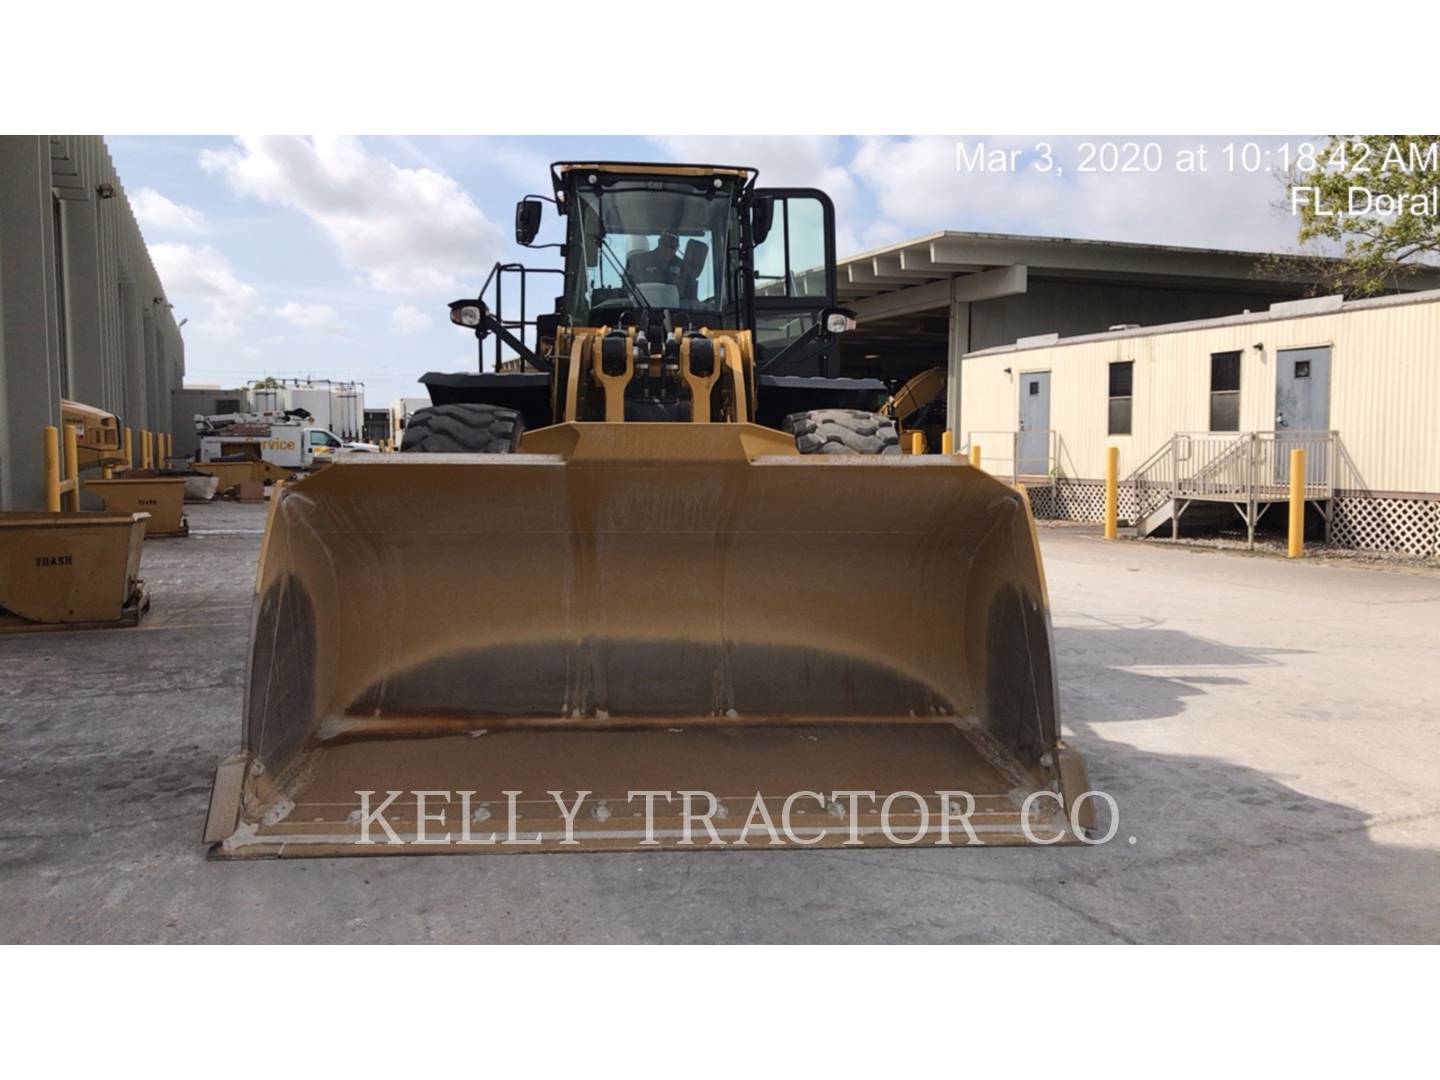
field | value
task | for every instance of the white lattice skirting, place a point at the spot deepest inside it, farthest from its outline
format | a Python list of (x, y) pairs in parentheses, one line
[(1077, 500), (1409, 525), (1387, 523)]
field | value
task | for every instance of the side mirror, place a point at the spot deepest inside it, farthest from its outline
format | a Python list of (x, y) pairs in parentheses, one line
[(762, 215), (527, 220)]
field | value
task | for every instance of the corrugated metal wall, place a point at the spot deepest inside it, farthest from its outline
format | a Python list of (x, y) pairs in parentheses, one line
[(1385, 388), (82, 312)]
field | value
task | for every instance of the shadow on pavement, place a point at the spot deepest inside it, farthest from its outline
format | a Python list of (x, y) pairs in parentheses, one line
[(1225, 851)]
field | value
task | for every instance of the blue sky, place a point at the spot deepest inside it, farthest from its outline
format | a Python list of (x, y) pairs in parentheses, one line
[(335, 257)]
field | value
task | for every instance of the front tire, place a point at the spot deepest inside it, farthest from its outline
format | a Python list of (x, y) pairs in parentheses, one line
[(463, 429), (843, 431)]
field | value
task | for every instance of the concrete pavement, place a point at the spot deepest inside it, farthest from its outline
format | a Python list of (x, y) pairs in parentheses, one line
[(1268, 729)]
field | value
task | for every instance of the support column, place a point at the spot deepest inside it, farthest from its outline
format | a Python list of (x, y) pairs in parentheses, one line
[(29, 347), (82, 302), (132, 408), (145, 417), (158, 404), (958, 346)]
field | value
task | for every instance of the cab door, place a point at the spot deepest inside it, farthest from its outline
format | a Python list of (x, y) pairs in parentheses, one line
[(793, 270)]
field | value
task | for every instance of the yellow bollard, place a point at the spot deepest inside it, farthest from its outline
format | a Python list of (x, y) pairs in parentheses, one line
[(52, 470), (72, 466), (917, 442), (129, 449), (1112, 492), (147, 450), (1297, 503), (947, 443), (975, 455)]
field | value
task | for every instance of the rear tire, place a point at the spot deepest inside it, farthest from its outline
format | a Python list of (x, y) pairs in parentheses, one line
[(843, 431), (463, 429)]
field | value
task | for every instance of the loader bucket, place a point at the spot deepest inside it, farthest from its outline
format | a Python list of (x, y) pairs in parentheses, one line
[(492, 653), (70, 571)]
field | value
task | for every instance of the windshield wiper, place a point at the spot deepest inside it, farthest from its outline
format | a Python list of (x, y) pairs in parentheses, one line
[(629, 282)]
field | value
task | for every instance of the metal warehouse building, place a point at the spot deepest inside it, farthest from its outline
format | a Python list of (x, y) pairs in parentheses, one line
[(926, 302), (83, 315), (1204, 412)]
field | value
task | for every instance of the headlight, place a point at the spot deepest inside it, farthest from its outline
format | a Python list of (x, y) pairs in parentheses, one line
[(837, 322), (468, 315)]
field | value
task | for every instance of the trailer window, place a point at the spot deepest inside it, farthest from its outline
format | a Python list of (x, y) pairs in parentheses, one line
[(1225, 391), (1122, 384)]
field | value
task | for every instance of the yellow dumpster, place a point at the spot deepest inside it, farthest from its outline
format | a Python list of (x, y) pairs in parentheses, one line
[(231, 473), (70, 571), (161, 497)]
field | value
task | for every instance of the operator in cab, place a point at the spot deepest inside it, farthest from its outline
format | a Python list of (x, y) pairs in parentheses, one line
[(661, 265)]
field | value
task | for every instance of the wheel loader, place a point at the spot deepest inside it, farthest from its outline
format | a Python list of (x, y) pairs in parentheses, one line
[(660, 578)]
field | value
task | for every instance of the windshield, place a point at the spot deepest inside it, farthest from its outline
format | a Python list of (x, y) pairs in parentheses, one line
[(651, 243)]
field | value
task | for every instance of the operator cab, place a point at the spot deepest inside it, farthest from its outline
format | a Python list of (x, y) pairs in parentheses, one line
[(657, 248), (697, 246)]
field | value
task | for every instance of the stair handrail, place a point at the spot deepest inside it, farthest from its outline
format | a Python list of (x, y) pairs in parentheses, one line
[(1160, 454), (1243, 466)]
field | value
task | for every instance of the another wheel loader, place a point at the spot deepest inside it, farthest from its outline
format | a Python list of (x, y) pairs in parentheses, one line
[(624, 591)]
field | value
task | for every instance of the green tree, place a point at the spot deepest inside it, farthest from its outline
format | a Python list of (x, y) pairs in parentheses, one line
[(267, 383), (1375, 250)]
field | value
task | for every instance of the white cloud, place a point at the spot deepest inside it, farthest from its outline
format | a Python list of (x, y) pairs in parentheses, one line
[(157, 213), (202, 275), (784, 161), (404, 230), (407, 319), (310, 316), (888, 189), (916, 185)]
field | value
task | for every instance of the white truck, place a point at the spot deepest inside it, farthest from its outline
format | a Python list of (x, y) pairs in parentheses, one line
[(290, 440)]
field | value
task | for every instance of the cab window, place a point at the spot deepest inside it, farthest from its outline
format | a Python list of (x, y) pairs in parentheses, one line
[(661, 244), (791, 261)]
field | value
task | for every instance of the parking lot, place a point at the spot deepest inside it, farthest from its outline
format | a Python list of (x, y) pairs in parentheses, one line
[(1268, 730)]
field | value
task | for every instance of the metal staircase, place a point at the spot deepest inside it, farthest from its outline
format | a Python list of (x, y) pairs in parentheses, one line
[(1204, 478)]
